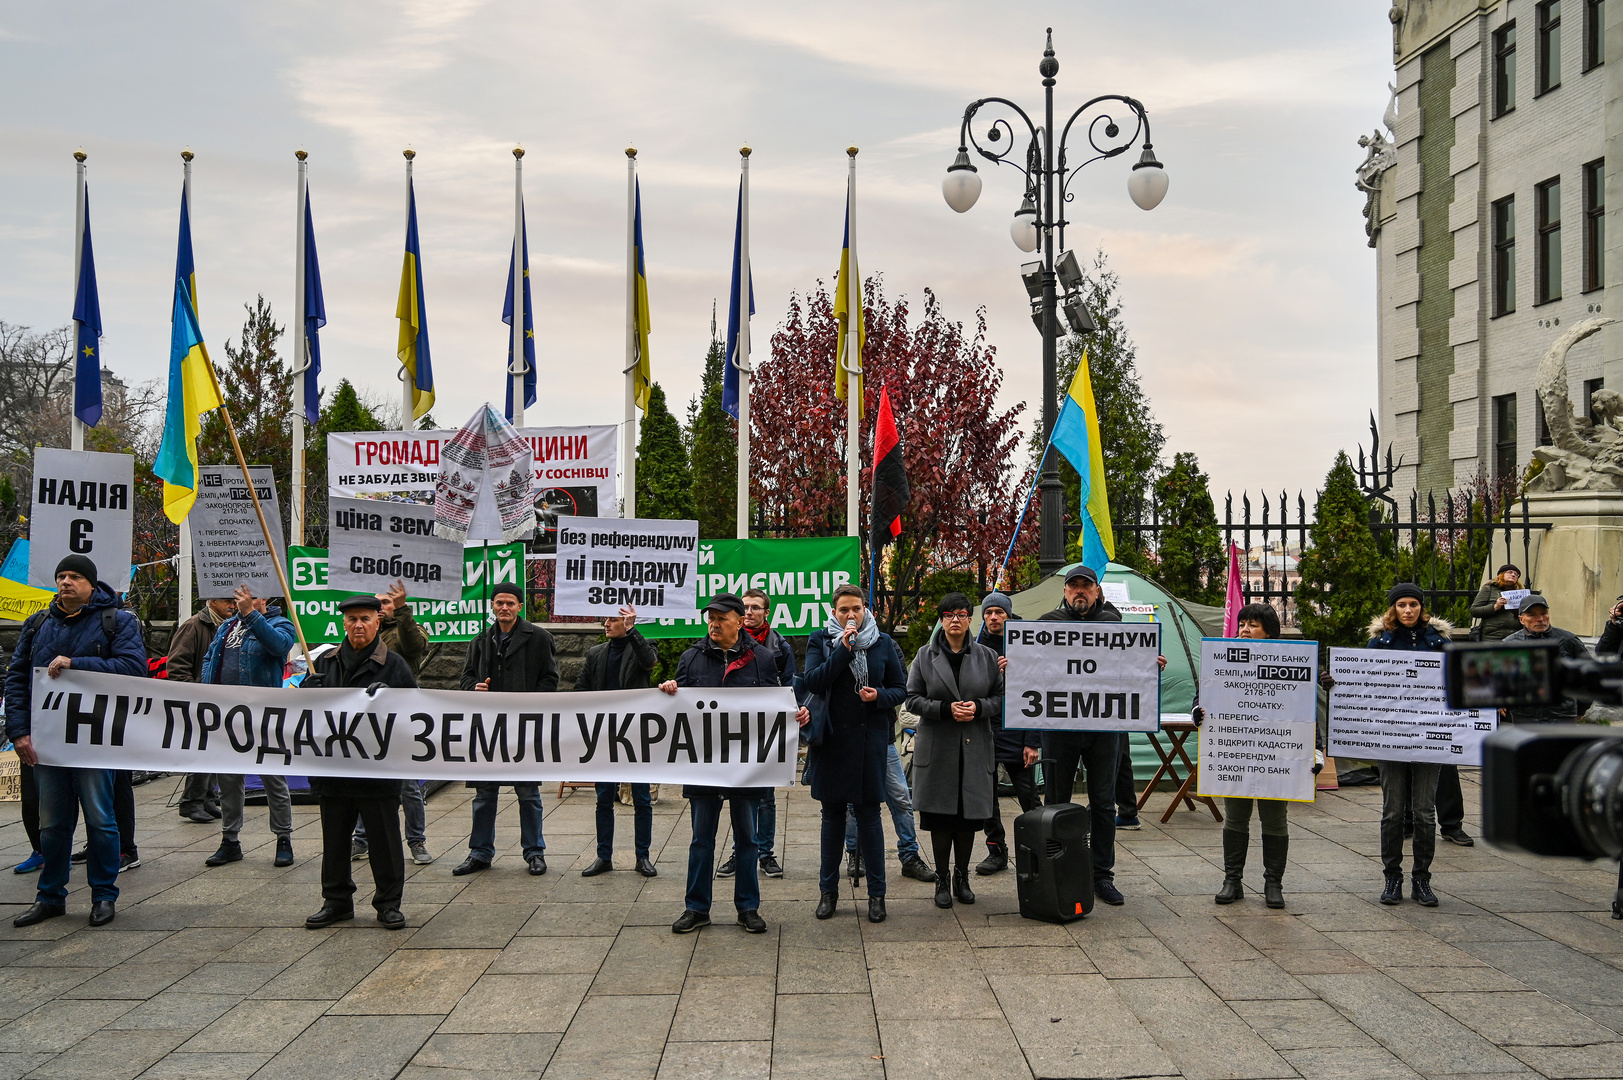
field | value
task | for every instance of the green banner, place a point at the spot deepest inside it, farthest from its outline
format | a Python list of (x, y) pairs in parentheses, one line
[(316, 606), (799, 575)]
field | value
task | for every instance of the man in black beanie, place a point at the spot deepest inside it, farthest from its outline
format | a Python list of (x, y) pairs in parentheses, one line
[(85, 627)]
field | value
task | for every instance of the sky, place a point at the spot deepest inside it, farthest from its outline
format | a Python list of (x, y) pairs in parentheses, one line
[(1249, 291)]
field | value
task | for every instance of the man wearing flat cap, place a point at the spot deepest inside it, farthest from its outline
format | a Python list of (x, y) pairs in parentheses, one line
[(512, 657), (361, 660), (726, 657), (1535, 618)]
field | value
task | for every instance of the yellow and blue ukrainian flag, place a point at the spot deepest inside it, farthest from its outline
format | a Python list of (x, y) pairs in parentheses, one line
[(848, 306), (192, 392), (1076, 435), (645, 371), (412, 311)]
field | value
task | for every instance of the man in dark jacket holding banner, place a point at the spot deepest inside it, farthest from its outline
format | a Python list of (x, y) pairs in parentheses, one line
[(626, 661), (726, 657), (361, 660), (514, 657), (1099, 752)]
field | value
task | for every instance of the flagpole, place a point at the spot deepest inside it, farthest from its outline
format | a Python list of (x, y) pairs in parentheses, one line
[(853, 354), (408, 384), (741, 357), (629, 454), (264, 527), (517, 370), (301, 351), (76, 434), (184, 561), (1025, 506)]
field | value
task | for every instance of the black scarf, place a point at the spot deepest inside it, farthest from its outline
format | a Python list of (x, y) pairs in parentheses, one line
[(350, 661)]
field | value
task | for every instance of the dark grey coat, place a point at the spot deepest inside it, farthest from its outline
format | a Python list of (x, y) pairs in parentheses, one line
[(944, 742)]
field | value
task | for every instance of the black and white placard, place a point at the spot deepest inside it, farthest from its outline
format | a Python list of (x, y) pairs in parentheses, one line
[(1068, 676), (1261, 703), (83, 505), (372, 543), (1388, 705), (228, 546), (605, 564)]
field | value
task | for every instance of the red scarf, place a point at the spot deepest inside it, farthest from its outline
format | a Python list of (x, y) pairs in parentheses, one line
[(758, 635)]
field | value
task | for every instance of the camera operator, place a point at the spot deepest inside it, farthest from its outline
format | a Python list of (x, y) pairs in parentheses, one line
[(1535, 620), (1611, 636)]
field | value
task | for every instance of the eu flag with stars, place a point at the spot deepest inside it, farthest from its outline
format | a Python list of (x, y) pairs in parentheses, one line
[(87, 319), (529, 325), (315, 317)]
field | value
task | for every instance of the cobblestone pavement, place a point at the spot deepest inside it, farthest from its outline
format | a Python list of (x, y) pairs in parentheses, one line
[(210, 974)]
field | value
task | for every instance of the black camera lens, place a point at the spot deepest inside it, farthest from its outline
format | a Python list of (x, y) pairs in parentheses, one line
[(1591, 786)]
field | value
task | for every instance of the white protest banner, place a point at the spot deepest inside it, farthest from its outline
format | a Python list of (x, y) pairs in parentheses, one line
[(721, 737), (1514, 598), (372, 543), (1261, 702), (1067, 676), (1388, 705), (574, 469), (83, 505), (228, 546), (605, 564)]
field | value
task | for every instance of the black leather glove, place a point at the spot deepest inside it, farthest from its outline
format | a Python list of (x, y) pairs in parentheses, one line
[(371, 691), (1198, 715)]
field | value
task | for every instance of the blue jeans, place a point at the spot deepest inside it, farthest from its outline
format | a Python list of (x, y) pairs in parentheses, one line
[(482, 841), (642, 819), (62, 791), (866, 816), (414, 809), (706, 812), (766, 827), (900, 801)]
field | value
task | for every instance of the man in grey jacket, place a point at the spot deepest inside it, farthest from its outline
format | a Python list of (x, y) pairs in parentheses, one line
[(1535, 618)]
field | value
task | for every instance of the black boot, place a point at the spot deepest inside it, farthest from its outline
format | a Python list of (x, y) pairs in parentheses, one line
[(1235, 845), (1274, 850), (997, 859), (943, 889), (960, 886)]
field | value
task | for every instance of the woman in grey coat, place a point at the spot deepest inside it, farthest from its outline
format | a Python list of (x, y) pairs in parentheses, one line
[(956, 689)]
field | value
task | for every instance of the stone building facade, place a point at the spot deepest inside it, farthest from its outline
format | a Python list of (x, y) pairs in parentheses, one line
[(1489, 208)]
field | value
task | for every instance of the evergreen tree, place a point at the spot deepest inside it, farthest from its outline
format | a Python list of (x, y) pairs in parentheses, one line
[(664, 481), (713, 440), (1344, 576), (344, 412), (258, 389), (1191, 562), (1132, 437)]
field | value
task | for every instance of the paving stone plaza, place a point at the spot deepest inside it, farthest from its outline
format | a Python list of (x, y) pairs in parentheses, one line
[(209, 973)]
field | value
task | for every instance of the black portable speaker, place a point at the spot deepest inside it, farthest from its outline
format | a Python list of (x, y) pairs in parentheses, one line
[(1053, 865)]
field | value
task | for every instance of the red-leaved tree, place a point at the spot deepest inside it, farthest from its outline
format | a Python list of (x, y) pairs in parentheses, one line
[(958, 445)]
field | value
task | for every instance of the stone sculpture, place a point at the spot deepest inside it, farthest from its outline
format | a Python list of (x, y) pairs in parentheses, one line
[(1584, 454)]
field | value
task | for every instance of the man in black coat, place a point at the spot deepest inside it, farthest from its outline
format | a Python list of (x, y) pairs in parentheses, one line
[(1017, 751), (1535, 619), (1099, 752), (726, 657), (365, 661), (625, 661), (513, 657)]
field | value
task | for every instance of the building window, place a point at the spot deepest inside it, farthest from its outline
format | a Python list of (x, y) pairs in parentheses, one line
[(1594, 225), (1504, 435), (1504, 69), (1591, 388), (1504, 255), (1549, 46), (1594, 34), (1541, 424), (1548, 270)]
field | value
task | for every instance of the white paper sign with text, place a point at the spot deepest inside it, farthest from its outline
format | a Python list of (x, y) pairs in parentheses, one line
[(228, 546), (372, 543), (605, 564), (83, 505), (1068, 676), (723, 737), (1388, 705), (1261, 704)]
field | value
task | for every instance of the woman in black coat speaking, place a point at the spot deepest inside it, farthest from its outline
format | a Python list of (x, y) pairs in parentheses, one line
[(857, 673), (956, 688)]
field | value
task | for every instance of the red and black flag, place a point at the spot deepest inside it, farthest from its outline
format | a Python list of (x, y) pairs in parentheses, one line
[(890, 487)]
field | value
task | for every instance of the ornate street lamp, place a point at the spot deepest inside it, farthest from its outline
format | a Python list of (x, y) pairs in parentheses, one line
[(1042, 213)]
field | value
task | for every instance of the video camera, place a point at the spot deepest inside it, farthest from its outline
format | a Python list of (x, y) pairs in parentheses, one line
[(1547, 789)]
